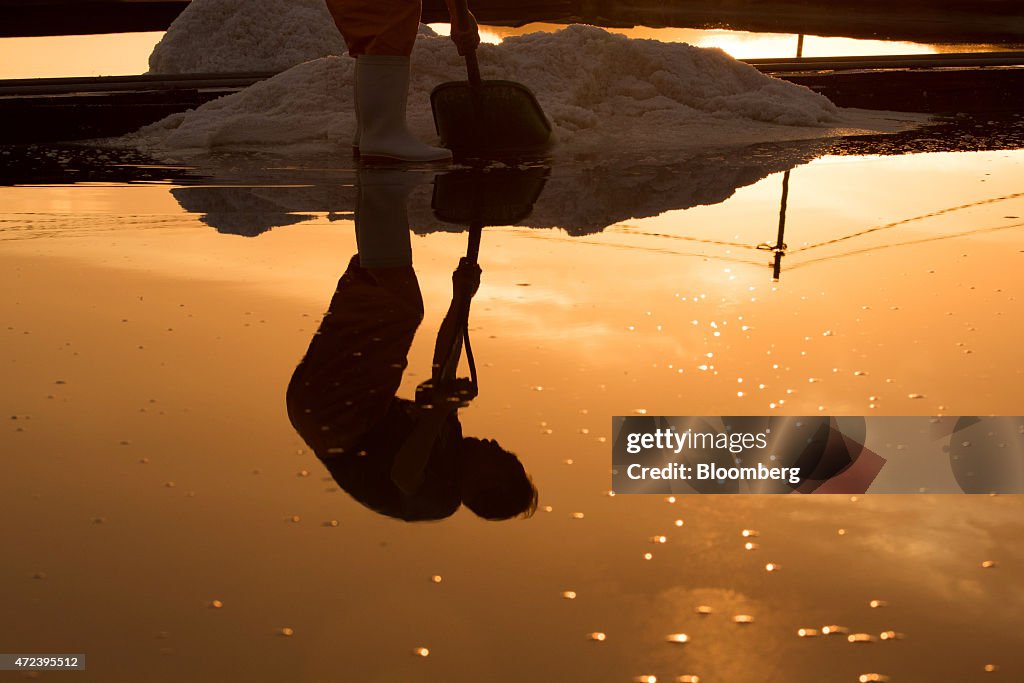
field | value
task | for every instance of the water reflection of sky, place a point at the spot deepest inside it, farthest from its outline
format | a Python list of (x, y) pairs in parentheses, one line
[(904, 240), (154, 469), (113, 54)]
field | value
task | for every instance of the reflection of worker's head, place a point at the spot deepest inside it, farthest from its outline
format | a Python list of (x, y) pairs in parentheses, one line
[(493, 483)]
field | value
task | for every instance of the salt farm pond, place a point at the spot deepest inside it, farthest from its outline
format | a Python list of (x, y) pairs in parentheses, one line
[(164, 516), (154, 469)]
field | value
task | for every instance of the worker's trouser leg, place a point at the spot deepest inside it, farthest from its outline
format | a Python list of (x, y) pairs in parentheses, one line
[(377, 27), (381, 35)]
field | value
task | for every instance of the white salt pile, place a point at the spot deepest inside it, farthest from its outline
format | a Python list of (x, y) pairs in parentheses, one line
[(225, 36), (602, 92), (214, 36)]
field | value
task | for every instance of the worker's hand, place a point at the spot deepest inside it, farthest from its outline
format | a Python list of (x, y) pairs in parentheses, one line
[(465, 34), (460, 391), (466, 279)]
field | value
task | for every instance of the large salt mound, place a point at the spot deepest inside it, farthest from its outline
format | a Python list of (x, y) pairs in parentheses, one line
[(602, 92), (212, 36)]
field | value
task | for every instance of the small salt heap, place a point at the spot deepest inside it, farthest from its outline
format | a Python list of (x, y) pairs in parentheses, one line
[(218, 36)]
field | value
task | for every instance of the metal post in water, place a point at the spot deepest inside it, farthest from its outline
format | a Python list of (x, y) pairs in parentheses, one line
[(780, 246)]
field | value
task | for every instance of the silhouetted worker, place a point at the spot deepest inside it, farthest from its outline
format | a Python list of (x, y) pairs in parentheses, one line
[(380, 34), (401, 458)]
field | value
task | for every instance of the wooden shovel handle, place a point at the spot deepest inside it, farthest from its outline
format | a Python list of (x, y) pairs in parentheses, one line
[(472, 68), (460, 10)]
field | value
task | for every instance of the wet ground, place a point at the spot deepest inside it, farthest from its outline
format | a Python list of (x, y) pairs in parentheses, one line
[(164, 517)]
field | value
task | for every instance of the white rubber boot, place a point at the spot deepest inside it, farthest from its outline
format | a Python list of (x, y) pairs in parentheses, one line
[(382, 91)]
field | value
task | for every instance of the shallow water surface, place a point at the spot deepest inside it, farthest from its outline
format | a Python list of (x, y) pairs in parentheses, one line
[(165, 518)]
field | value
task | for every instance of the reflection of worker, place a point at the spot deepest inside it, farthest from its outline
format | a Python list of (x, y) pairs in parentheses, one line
[(400, 458), (380, 34)]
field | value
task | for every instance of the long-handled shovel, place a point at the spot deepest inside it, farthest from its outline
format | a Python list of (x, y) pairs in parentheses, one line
[(488, 118), (477, 199)]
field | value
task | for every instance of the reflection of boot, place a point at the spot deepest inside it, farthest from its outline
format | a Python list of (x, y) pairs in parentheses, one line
[(382, 89), (382, 219)]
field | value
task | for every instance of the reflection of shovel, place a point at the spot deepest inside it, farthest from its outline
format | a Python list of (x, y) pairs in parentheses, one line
[(477, 198), (488, 117), (500, 196)]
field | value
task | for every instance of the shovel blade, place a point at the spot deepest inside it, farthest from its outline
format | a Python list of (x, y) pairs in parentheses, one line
[(494, 117), (502, 196)]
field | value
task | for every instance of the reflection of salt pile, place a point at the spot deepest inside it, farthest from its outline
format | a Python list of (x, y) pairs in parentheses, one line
[(587, 198), (236, 210), (212, 36), (600, 91), (580, 198)]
